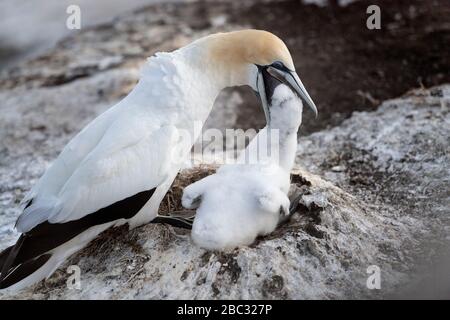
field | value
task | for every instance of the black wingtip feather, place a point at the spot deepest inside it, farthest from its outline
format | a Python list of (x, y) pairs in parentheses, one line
[(23, 271), (27, 255), (3, 256), (11, 257)]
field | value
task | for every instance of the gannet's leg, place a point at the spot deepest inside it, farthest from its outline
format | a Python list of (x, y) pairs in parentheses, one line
[(179, 222)]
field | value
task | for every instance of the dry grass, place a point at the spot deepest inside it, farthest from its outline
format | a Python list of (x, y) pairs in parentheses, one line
[(172, 200)]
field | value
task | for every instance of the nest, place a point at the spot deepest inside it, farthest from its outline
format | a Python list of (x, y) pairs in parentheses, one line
[(172, 200)]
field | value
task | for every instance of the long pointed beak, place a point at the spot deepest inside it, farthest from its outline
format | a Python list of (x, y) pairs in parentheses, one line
[(291, 79), (263, 95)]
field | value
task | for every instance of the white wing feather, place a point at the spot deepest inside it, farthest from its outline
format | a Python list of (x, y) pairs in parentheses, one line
[(108, 177), (70, 157), (124, 151), (120, 166)]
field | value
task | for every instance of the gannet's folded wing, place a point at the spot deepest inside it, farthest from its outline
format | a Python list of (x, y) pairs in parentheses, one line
[(71, 156), (122, 165)]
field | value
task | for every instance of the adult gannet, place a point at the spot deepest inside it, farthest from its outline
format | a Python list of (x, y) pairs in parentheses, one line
[(119, 167), (247, 199)]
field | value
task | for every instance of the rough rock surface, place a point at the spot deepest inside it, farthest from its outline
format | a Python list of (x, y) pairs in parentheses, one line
[(375, 193)]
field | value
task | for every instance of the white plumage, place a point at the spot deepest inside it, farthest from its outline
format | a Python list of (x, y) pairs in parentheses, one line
[(244, 200), (132, 147), (116, 154)]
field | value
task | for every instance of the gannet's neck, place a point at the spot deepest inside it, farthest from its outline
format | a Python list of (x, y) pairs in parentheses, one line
[(216, 59), (179, 76), (184, 65)]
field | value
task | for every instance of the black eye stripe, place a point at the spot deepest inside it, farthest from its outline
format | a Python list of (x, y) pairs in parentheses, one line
[(277, 65)]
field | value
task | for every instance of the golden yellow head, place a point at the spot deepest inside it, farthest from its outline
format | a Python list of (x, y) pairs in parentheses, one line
[(256, 47), (249, 57)]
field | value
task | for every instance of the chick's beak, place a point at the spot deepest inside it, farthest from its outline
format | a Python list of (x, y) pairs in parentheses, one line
[(291, 79), (263, 95)]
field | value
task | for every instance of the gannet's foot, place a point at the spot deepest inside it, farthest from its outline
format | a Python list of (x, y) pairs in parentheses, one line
[(179, 219)]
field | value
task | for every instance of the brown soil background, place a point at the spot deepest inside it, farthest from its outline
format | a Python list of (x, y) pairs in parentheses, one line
[(347, 67)]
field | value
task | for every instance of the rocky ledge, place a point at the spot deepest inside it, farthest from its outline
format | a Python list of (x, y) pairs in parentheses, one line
[(375, 192), (375, 187)]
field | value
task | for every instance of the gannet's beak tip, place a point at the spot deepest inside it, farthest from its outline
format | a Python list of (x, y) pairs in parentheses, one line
[(314, 109), (291, 78), (301, 91)]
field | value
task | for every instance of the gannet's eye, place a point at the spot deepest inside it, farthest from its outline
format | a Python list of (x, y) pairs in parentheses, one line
[(278, 65)]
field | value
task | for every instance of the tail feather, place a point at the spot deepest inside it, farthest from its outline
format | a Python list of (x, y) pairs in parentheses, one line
[(11, 257), (3, 256), (23, 271), (30, 256)]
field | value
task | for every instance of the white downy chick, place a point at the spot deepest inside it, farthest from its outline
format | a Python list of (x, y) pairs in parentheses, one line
[(247, 199)]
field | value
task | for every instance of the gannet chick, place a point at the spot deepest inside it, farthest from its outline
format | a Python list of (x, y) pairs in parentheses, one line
[(245, 200)]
